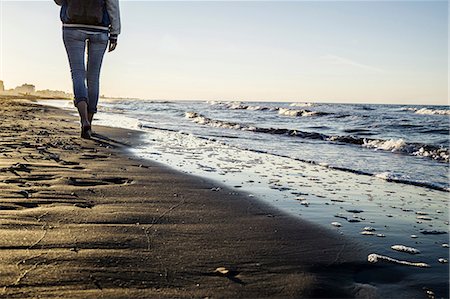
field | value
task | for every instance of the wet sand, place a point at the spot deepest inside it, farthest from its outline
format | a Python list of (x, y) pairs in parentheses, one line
[(84, 219)]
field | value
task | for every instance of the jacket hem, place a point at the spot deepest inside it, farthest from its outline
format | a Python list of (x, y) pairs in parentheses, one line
[(78, 26)]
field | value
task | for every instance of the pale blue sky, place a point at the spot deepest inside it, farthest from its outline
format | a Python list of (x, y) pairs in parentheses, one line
[(379, 52)]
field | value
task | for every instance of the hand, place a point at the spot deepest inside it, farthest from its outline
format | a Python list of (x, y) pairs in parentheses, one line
[(112, 45)]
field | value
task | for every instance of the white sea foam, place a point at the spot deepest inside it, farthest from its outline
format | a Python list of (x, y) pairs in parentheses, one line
[(261, 108), (392, 145), (304, 104), (429, 111), (64, 104), (212, 102), (440, 154), (375, 258), (241, 106), (387, 175), (296, 112), (406, 249), (400, 145), (236, 106), (202, 120)]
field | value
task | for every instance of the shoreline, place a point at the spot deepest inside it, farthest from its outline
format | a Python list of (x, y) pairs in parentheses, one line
[(331, 198), (92, 220)]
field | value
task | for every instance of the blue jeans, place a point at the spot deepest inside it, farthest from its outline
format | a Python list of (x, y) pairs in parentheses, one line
[(75, 41)]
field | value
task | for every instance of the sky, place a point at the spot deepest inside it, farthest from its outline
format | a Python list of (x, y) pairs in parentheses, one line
[(330, 51)]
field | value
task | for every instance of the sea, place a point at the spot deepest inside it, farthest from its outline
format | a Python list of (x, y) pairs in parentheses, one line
[(378, 174)]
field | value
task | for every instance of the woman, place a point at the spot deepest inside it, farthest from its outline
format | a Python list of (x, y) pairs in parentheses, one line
[(91, 24)]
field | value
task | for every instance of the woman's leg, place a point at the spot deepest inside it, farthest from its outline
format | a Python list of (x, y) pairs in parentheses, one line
[(97, 45), (75, 43)]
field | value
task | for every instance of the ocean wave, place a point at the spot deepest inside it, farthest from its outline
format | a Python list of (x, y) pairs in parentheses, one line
[(414, 149), (428, 111), (202, 120), (305, 104), (241, 106), (437, 153), (392, 145), (302, 112), (388, 176), (281, 111)]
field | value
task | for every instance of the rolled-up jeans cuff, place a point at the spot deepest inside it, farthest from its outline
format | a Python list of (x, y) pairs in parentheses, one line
[(79, 100)]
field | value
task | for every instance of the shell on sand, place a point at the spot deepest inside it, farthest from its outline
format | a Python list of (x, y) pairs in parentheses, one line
[(369, 229), (337, 224), (222, 270), (406, 249), (443, 261)]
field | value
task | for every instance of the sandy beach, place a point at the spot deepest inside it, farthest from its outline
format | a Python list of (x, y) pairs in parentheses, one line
[(84, 219)]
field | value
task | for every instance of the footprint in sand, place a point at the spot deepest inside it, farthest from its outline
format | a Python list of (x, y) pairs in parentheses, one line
[(98, 181), (33, 178), (93, 156)]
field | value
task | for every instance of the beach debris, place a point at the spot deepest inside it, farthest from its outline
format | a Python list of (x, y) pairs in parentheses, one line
[(406, 249), (367, 233), (381, 235), (337, 200), (304, 203), (355, 211), (337, 224), (369, 229), (225, 272), (433, 232), (414, 236), (445, 245), (221, 270), (215, 189), (421, 213), (339, 215), (353, 220), (430, 294), (424, 218), (230, 274), (375, 258), (443, 261)]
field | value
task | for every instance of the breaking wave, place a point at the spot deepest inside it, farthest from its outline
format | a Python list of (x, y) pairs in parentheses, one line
[(281, 110), (240, 106), (437, 153), (302, 104), (428, 111), (295, 112)]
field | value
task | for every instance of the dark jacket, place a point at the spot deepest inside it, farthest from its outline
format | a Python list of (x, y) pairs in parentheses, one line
[(110, 22)]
